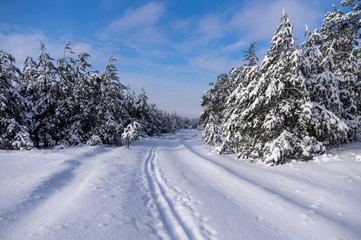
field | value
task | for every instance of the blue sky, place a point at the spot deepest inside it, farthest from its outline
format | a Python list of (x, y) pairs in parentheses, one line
[(171, 48)]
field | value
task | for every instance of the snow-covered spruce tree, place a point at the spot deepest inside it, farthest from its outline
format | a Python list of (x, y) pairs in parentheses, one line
[(322, 84), (131, 133), (111, 114), (38, 79), (212, 133), (14, 115), (239, 80), (78, 130), (66, 107), (274, 110), (353, 18), (250, 57), (173, 123), (213, 102), (42, 93), (144, 114), (340, 36)]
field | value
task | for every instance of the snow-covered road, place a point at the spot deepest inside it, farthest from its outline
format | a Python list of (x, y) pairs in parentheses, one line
[(174, 187)]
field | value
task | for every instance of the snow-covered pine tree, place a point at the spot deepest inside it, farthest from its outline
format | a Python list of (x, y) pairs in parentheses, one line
[(110, 112), (28, 73), (66, 108), (270, 106), (324, 108), (67, 104), (143, 112), (131, 133), (340, 36), (250, 57), (173, 123), (78, 130), (212, 133), (14, 115), (39, 84), (156, 119), (213, 102), (239, 80), (353, 18)]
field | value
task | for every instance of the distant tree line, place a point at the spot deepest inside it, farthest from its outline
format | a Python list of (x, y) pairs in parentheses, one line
[(299, 102), (48, 103)]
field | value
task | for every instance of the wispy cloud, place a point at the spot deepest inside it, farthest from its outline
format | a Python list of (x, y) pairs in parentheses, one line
[(261, 25), (136, 24), (21, 45), (141, 17), (210, 63), (235, 46), (212, 26)]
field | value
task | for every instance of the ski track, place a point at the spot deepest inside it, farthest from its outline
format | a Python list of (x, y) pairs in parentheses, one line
[(173, 187), (178, 221)]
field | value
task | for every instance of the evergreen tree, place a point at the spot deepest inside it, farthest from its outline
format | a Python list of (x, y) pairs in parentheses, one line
[(324, 94), (213, 102), (66, 107), (38, 80), (131, 133), (271, 113), (78, 128), (239, 80), (340, 36), (110, 111), (250, 57), (67, 104), (14, 133), (291, 106)]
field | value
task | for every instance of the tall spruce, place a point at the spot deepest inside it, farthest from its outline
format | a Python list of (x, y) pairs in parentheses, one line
[(40, 91), (213, 102), (300, 101), (14, 109), (340, 40)]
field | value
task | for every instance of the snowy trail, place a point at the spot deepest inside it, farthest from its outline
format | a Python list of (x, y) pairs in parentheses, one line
[(174, 187), (274, 204)]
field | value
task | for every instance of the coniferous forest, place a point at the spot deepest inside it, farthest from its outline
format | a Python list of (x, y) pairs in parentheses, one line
[(49, 102), (298, 102)]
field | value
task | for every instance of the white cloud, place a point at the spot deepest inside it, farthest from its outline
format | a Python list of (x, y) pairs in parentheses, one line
[(136, 25), (216, 65), (212, 26), (235, 46), (259, 20), (141, 17), (28, 44), (22, 45)]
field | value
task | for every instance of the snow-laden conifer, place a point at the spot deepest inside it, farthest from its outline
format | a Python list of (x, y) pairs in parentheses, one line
[(131, 133), (110, 112), (14, 115), (213, 103), (340, 35), (272, 116)]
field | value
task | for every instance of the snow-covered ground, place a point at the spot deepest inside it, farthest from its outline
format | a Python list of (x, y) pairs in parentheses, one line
[(174, 187)]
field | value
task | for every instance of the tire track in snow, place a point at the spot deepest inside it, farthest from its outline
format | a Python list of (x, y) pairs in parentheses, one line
[(299, 209), (172, 220)]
